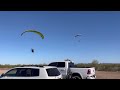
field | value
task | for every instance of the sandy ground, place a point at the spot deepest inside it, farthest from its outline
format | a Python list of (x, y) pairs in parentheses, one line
[(99, 74), (3, 70), (107, 75)]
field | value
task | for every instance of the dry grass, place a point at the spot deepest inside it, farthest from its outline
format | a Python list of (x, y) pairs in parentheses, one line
[(99, 74)]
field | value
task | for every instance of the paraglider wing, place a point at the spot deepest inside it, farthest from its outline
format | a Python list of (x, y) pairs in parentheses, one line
[(37, 32), (77, 35)]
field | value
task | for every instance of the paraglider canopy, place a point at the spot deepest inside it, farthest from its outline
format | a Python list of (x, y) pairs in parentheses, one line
[(34, 31), (77, 35)]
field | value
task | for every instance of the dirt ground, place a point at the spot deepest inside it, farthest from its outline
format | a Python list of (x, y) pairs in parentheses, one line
[(99, 74), (107, 75), (3, 70)]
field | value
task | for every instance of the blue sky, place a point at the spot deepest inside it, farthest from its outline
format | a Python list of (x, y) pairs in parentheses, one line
[(100, 32)]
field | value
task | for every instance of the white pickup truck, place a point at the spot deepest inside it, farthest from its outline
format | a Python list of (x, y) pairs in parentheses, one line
[(68, 70)]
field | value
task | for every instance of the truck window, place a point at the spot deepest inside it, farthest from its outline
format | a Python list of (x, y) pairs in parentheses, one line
[(71, 64), (57, 64), (32, 72), (11, 73), (35, 72), (53, 64), (28, 72), (21, 72), (61, 64), (53, 72)]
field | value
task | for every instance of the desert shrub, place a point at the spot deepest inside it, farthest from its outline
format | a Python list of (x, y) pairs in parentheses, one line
[(100, 66), (95, 63)]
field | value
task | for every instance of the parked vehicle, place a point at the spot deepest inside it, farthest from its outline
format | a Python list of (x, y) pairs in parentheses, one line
[(32, 72), (69, 71)]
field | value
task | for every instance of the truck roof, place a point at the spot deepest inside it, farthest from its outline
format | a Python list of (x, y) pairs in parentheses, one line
[(63, 61), (36, 67)]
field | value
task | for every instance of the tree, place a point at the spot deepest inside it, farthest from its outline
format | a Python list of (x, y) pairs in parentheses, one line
[(95, 62)]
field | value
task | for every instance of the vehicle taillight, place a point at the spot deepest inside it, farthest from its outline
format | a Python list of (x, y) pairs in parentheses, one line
[(89, 71)]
